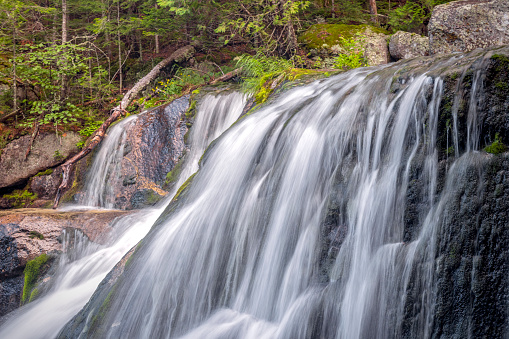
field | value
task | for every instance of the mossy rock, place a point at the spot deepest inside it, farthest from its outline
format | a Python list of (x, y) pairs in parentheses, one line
[(32, 272), (327, 35), (496, 147)]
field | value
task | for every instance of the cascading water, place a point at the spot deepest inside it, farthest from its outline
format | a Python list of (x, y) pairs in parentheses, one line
[(85, 264), (104, 172), (298, 223)]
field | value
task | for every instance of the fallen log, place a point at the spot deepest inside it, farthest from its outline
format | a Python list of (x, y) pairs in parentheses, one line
[(180, 55)]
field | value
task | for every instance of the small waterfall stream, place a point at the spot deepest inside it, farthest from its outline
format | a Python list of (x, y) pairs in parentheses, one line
[(103, 174), (320, 175), (85, 265)]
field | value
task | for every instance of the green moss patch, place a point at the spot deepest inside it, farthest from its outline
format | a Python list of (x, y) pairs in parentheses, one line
[(32, 273), (496, 147), (330, 34), (49, 171), (183, 187), (174, 174)]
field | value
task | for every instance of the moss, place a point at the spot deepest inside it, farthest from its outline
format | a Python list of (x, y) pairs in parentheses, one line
[(21, 198), (35, 234), (151, 198), (455, 75), (33, 295), (319, 35), (196, 91), (496, 147), (102, 310), (49, 171), (183, 187), (32, 272), (191, 111), (503, 59), (174, 174)]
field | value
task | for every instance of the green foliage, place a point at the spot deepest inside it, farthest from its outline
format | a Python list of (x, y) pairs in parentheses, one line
[(90, 127), (257, 70), (169, 89), (44, 66), (413, 14), (353, 57), (497, 146), (22, 198), (32, 272), (260, 19)]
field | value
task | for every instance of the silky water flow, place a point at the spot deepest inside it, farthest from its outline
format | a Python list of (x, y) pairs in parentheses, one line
[(84, 264), (246, 250)]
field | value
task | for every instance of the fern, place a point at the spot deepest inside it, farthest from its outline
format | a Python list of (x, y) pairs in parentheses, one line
[(258, 69)]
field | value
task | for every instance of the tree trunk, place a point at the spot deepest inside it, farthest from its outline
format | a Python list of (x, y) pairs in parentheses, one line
[(65, 27), (333, 9), (141, 47), (373, 11), (179, 55), (119, 49), (65, 16), (156, 37), (14, 84)]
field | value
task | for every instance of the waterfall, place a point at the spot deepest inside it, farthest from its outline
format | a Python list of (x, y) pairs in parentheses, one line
[(299, 223), (103, 175), (84, 264)]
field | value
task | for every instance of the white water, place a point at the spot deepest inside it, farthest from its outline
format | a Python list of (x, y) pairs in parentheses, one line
[(85, 266), (105, 172), (240, 258)]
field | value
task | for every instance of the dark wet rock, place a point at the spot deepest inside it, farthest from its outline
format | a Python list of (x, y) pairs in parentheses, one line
[(48, 151), (406, 45), (27, 233), (462, 26)]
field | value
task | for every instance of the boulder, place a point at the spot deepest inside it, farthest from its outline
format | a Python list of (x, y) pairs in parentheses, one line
[(46, 186), (405, 45), (48, 150), (153, 144), (375, 50), (28, 233), (462, 26), (326, 41)]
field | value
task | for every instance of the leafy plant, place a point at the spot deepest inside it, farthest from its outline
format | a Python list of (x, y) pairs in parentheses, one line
[(413, 14), (22, 198), (352, 56), (90, 127), (497, 146), (52, 71), (259, 69)]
